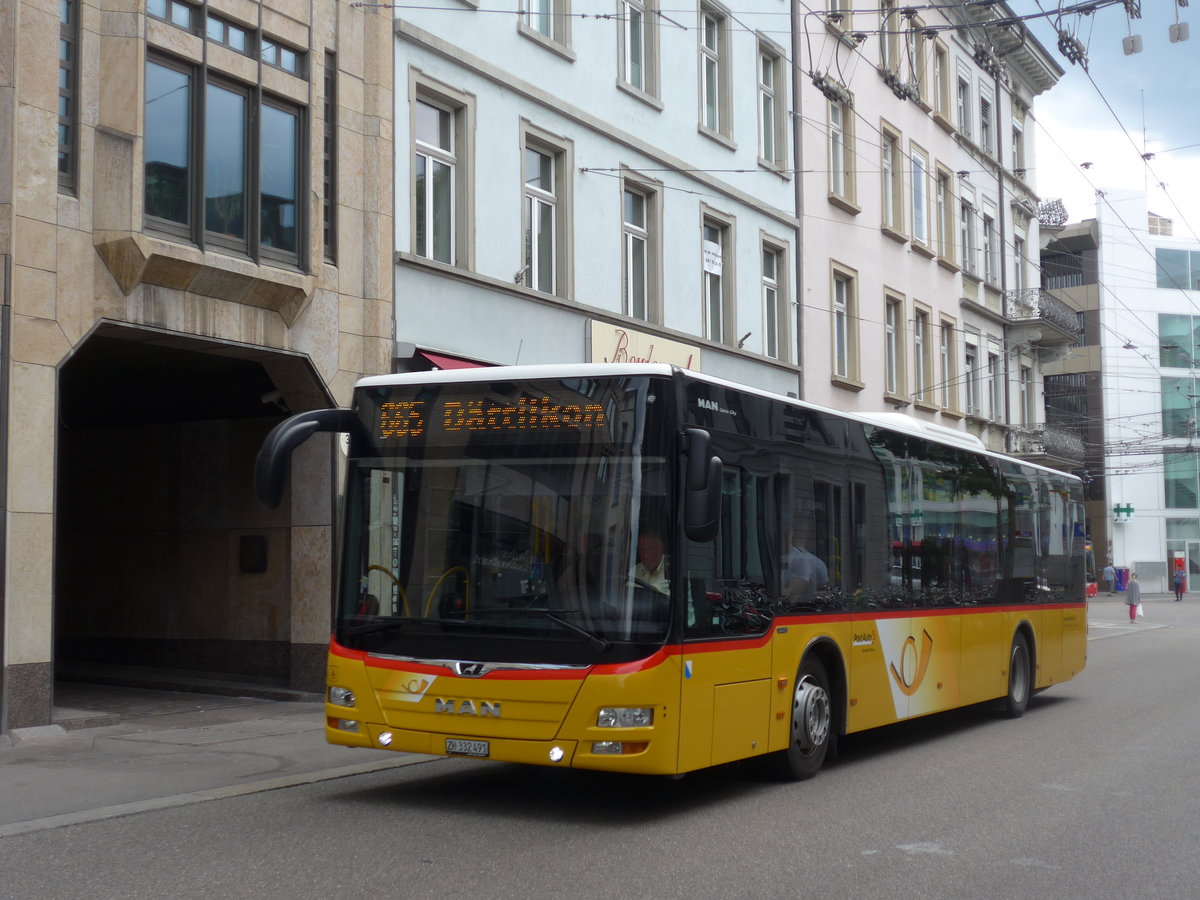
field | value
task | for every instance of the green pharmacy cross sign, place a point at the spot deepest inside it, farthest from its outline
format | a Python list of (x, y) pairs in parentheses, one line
[(1123, 512)]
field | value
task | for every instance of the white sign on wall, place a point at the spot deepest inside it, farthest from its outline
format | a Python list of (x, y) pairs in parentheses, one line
[(617, 344), (713, 261)]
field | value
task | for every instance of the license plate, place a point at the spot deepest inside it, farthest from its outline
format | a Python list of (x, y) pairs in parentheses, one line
[(466, 748)]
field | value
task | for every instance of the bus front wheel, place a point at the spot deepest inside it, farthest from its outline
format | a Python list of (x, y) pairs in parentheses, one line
[(1020, 680), (812, 723)]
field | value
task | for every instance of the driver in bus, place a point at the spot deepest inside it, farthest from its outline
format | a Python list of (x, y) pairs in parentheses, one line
[(651, 568)]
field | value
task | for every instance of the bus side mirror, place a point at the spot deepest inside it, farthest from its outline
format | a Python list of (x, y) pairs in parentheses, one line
[(702, 498), (275, 457)]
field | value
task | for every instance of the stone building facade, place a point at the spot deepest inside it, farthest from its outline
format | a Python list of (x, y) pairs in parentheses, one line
[(195, 236)]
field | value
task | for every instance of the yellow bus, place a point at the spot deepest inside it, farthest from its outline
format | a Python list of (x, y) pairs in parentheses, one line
[(638, 568)]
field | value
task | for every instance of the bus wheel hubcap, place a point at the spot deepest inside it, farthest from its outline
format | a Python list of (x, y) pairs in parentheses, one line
[(810, 715)]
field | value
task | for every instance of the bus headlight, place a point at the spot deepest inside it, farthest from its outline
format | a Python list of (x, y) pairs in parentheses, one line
[(340, 696), (624, 717)]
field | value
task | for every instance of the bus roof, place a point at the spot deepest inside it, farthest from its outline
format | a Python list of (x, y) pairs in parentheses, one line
[(893, 421)]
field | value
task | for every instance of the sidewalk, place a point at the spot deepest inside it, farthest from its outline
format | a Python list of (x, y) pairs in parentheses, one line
[(117, 750)]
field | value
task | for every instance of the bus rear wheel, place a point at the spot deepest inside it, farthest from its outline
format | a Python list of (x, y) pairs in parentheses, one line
[(812, 724), (1020, 679)]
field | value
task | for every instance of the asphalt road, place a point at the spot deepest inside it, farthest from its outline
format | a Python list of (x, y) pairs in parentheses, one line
[(1094, 793)]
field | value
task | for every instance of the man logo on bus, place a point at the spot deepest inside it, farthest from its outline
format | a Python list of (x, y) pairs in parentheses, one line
[(913, 664)]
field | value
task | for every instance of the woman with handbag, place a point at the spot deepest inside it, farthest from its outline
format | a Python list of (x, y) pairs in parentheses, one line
[(1133, 596)]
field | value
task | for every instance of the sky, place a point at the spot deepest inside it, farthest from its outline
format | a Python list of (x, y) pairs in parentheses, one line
[(1154, 97)]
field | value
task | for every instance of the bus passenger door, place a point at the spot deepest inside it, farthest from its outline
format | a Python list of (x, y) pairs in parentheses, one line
[(725, 694)]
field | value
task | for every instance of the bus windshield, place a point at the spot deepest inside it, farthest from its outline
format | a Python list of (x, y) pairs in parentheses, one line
[(501, 521)]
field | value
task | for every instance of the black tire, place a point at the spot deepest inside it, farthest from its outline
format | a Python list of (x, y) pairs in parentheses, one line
[(1020, 678), (811, 724)]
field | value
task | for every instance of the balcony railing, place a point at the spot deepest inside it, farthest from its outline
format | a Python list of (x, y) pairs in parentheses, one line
[(1045, 442), (1034, 306)]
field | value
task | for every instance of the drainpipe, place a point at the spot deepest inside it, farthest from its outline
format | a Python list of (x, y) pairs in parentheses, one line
[(5, 352), (1005, 209), (798, 187)]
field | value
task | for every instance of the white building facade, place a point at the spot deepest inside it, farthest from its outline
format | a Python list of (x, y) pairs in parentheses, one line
[(576, 188), (1150, 343)]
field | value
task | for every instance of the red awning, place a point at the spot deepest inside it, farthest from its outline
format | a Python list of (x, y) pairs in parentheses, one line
[(448, 362)]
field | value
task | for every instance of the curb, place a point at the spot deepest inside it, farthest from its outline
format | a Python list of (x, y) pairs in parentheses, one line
[(134, 807)]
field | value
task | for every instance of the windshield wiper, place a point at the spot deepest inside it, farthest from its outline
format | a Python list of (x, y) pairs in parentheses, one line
[(377, 625), (596, 641)]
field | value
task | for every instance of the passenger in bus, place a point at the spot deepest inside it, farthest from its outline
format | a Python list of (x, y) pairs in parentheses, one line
[(803, 573), (651, 568)]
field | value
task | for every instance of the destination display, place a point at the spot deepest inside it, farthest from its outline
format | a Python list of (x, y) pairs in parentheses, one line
[(412, 418)]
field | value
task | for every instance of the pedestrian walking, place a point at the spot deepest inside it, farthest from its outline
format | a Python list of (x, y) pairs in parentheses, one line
[(1178, 581), (1133, 597), (1109, 575)]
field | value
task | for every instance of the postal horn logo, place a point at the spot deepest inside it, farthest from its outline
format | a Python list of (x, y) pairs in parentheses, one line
[(410, 687), (913, 664)]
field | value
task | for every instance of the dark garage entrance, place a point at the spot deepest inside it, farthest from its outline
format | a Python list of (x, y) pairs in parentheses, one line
[(164, 564)]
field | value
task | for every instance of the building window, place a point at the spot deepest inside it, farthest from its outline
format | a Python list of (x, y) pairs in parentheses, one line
[(922, 356), (995, 384), (918, 58), (1180, 407), (219, 31), (964, 106), (840, 14), (178, 14), (991, 250), (1178, 269), (1028, 416), (638, 44), (772, 311), (772, 137), (945, 214), (636, 256), (281, 56), (68, 49), (546, 20), (892, 317), (920, 197), (941, 81), (329, 161), (971, 370), (1179, 341), (893, 182), (889, 37), (279, 182), (841, 151), (946, 373), (1019, 262), (247, 179), (715, 298), (434, 171), (966, 236), (540, 215), (1181, 476), (1018, 150), (546, 212), (845, 324), (714, 71), (986, 140)]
